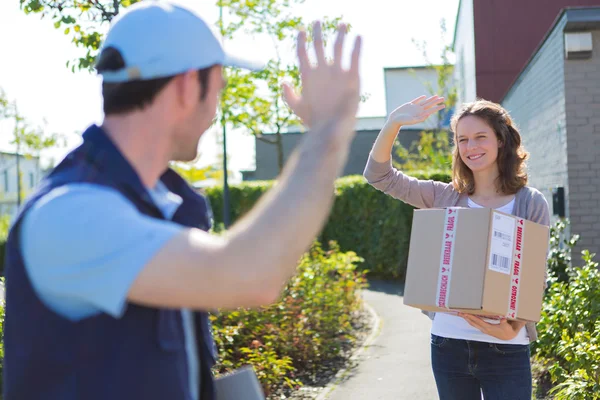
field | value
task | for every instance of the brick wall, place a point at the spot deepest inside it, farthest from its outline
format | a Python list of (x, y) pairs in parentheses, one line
[(582, 98), (537, 104)]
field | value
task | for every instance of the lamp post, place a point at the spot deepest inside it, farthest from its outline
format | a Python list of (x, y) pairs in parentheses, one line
[(226, 211)]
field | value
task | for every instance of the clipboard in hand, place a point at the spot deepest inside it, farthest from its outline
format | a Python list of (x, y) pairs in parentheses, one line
[(241, 384)]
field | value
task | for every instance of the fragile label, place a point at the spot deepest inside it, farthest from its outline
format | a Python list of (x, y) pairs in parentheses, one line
[(513, 302), (445, 273), (502, 243)]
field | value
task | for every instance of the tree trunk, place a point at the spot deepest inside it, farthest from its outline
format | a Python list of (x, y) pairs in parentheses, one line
[(279, 143)]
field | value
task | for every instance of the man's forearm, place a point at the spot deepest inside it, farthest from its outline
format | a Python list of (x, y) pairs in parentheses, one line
[(286, 220)]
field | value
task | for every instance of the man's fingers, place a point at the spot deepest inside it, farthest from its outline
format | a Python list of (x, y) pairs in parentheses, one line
[(318, 42), (339, 45), (354, 64), (303, 61), (290, 97)]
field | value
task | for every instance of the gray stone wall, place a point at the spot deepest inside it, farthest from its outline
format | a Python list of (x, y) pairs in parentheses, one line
[(536, 102), (582, 98)]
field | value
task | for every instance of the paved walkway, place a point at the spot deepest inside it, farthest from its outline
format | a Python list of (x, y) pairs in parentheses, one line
[(396, 366)]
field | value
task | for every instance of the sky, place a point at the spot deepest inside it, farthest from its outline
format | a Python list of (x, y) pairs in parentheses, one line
[(33, 72)]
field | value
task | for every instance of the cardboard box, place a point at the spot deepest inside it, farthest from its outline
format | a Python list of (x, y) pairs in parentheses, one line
[(477, 261)]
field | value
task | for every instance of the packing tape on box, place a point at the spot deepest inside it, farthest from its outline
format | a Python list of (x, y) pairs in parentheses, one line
[(515, 276), (445, 273)]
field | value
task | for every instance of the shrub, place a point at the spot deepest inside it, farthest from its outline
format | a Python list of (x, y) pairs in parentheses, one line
[(362, 219), (295, 338), (559, 258), (568, 347)]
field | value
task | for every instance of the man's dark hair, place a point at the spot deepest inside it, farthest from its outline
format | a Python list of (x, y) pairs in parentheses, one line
[(126, 97)]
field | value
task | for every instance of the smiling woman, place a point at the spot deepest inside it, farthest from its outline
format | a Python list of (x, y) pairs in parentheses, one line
[(470, 355), (487, 139)]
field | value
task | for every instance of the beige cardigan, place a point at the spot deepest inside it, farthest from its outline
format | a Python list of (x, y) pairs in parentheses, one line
[(529, 202)]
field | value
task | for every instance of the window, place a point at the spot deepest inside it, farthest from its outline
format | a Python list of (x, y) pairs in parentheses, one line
[(6, 181), (31, 180)]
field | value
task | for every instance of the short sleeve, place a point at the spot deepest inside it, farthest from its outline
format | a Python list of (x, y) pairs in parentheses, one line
[(83, 246)]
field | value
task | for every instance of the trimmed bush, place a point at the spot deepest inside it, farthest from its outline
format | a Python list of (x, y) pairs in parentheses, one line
[(567, 353), (363, 219), (297, 337)]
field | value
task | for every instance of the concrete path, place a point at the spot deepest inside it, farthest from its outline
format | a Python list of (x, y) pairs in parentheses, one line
[(396, 365)]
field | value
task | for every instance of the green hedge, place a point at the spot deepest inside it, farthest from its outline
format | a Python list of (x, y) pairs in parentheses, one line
[(4, 225), (364, 220)]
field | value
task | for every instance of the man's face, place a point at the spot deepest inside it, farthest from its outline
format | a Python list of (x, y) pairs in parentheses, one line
[(201, 117)]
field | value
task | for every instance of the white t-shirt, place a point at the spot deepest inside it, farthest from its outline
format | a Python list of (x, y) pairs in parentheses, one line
[(452, 326)]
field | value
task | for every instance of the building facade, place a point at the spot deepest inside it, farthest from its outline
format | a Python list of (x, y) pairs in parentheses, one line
[(555, 101), (30, 173), (494, 40)]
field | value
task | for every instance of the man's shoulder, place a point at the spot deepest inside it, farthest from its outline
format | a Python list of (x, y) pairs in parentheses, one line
[(73, 204), (79, 193)]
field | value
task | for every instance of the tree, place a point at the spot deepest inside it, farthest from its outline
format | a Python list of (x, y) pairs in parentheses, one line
[(433, 150), (253, 100), (80, 19), (29, 140)]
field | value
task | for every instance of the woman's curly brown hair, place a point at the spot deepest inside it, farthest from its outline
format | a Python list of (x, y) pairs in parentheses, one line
[(511, 154)]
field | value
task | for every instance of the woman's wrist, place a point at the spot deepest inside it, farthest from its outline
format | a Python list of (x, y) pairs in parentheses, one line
[(392, 127)]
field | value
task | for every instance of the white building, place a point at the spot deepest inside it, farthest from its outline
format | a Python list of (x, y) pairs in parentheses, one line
[(31, 175), (403, 84)]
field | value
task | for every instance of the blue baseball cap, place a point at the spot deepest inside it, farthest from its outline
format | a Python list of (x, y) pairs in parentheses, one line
[(159, 38)]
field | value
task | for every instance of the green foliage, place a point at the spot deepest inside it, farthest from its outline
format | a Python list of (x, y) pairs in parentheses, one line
[(559, 259), (80, 20), (569, 330), (295, 338), (363, 220), (4, 227), (446, 85), (192, 173), (252, 101), (242, 198), (431, 151)]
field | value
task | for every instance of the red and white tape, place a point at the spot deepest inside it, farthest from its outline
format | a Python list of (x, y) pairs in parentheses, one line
[(445, 273), (515, 277)]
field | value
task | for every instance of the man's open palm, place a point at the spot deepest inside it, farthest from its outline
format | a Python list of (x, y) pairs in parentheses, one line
[(328, 91)]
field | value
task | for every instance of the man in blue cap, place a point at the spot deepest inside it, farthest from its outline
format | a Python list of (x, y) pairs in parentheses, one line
[(109, 268)]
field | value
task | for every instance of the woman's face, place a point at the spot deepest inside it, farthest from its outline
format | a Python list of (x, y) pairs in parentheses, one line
[(477, 143)]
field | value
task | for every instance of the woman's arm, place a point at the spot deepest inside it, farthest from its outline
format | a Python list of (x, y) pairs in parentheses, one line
[(379, 171)]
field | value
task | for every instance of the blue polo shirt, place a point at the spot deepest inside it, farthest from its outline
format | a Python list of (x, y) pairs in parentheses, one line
[(109, 243)]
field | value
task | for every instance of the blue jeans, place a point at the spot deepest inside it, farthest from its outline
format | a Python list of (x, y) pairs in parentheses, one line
[(463, 369)]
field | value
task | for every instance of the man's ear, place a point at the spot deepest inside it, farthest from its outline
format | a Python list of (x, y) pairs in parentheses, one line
[(187, 87)]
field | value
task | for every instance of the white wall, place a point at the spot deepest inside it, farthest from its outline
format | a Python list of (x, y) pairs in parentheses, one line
[(464, 48), (30, 177), (405, 84)]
